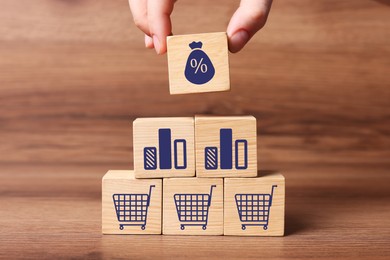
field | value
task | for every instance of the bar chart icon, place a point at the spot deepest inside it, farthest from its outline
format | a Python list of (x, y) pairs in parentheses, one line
[(163, 155), (226, 152)]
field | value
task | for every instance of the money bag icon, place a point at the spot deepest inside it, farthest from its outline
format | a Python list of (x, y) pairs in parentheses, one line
[(199, 68)]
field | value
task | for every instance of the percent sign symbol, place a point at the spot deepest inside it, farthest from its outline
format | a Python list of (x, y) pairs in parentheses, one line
[(198, 65), (199, 69)]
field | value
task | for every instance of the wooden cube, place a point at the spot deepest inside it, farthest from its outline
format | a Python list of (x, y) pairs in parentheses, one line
[(198, 63), (226, 146), (129, 205), (193, 206), (164, 147), (254, 206)]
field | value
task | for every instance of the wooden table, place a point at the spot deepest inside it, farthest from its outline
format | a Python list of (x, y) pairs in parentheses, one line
[(74, 74), (332, 211)]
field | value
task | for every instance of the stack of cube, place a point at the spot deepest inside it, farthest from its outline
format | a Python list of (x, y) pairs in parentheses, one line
[(194, 176)]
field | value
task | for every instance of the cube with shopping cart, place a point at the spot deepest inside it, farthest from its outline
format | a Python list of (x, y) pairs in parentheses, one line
[(193, 209), (254, 209), (132, 209)]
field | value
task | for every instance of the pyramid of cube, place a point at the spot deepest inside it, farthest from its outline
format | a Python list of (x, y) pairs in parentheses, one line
[(194, 175)]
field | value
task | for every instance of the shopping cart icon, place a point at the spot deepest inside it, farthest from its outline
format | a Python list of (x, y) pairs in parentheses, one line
[(253, 209), (132, 209), (193, 209)]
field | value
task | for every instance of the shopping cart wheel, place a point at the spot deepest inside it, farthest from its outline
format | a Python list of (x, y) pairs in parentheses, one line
[(204, 227), (265, 227), (243, 227), (182, 227), (143, 227), (121, 227)]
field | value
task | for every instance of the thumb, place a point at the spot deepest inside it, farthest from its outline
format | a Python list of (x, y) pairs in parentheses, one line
[(246, 21), (160, 25)]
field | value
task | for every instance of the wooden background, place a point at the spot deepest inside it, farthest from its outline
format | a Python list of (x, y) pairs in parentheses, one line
[(74, 74)]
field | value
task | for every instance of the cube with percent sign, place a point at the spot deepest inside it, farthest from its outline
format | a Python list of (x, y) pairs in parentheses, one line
[(198, 63), (164, 147), (225, 146)]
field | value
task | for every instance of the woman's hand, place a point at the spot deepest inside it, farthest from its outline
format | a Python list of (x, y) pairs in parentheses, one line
[(153, 18)]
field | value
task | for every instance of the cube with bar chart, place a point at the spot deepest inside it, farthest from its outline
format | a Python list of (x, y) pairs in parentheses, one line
[(225, 146), (164, 147)]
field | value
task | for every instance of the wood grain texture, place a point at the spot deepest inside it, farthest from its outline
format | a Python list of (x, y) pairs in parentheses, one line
[(129, 205), (202, 197), (74, 74), (73, 78), (146, 134), (215, 46), (261, 210), (208, 136), (332, 211)]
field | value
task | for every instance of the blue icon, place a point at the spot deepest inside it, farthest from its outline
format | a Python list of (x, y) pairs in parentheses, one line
[(150, 158), (211, 158), (132, 209), (193, 209), (164, 144), (253, 209), (226, 152), (176, 145), (244, 144), (199, 68), (165, 152)]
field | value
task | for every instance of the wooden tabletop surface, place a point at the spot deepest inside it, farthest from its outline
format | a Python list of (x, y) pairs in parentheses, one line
[(74, 74), (332, 211)]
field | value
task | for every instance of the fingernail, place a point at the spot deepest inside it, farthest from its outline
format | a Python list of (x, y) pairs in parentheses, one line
[(238, 40), (157, 45), (148, 41)]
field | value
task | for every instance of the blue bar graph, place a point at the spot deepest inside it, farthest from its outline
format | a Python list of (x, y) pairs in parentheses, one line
[(244, 156), (226, 143), (226, 152), (177, 144), (165, 150)]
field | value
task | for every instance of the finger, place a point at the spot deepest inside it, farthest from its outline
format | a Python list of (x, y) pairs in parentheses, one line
[(246, 21), (160, 26), (149, 42), (139, 11)]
